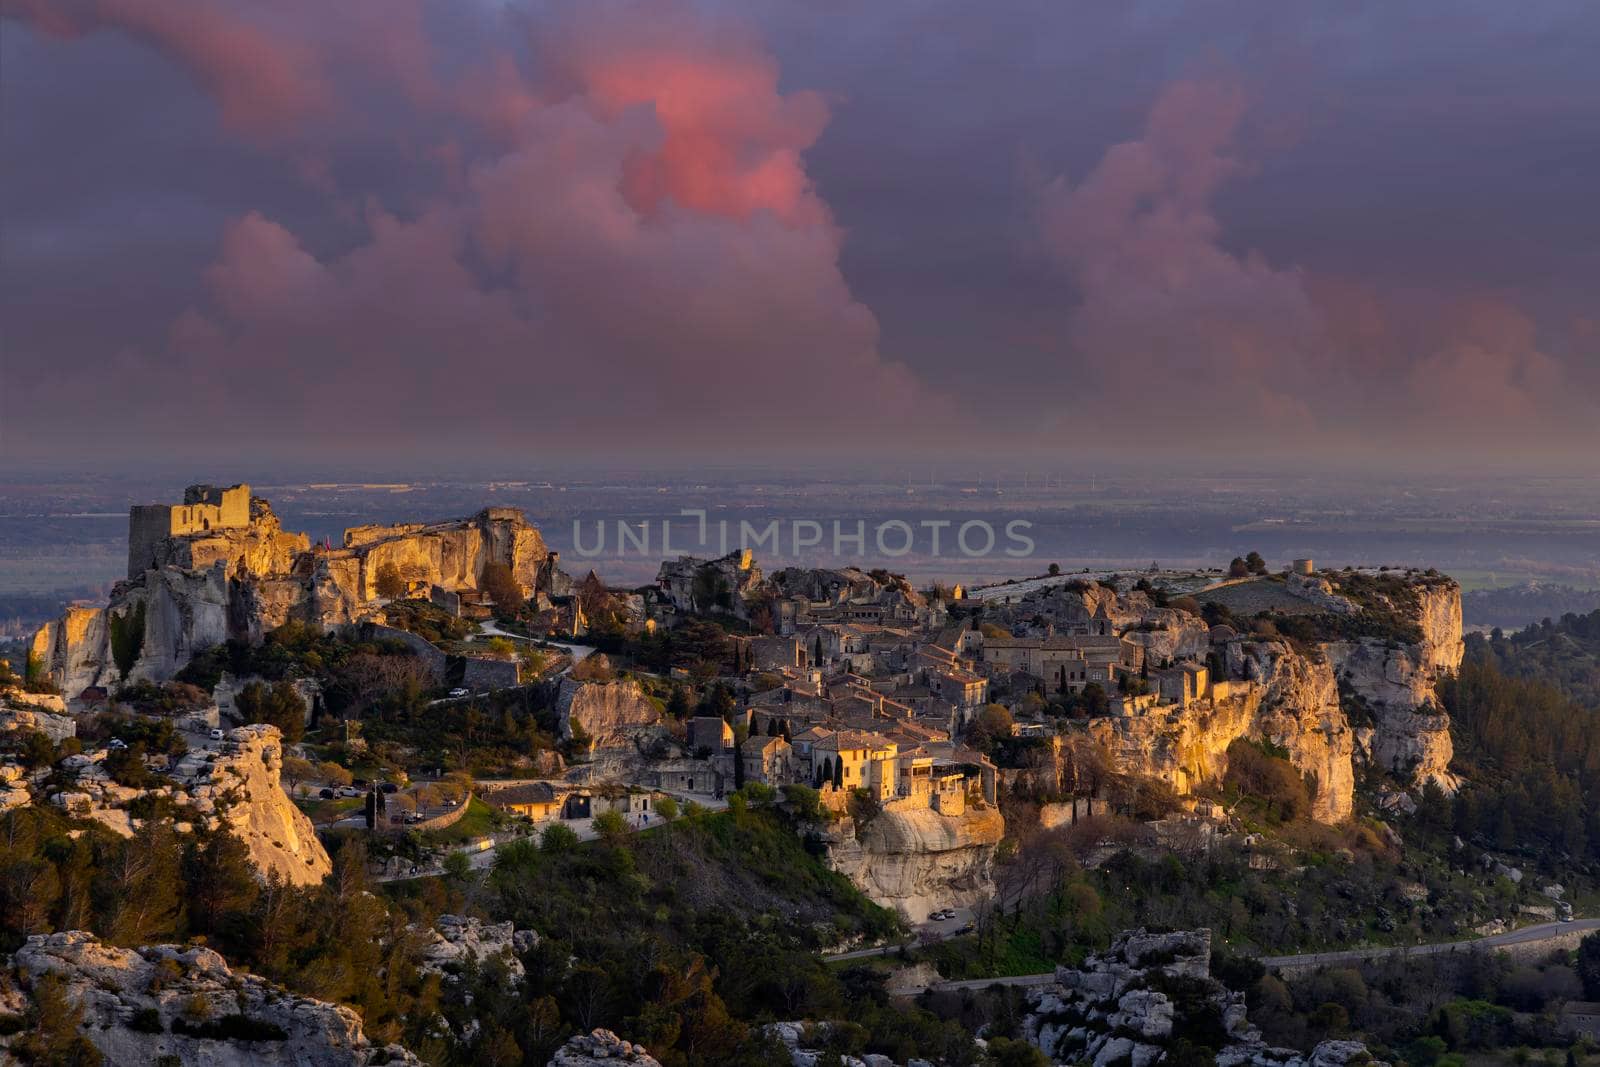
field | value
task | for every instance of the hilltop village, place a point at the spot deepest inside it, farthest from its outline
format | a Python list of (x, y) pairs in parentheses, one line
[(423, 700), (852, 683)]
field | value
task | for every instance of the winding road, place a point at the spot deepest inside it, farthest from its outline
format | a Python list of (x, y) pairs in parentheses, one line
[(1526, 936)]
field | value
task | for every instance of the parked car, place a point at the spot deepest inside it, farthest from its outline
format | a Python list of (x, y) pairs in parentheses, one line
[(349, 791), (458, 692), (117, 742), (389, 787), (216, 735), (326, 794)]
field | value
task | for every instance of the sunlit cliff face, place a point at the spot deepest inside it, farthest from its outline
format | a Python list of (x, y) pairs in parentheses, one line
[(678, 225)]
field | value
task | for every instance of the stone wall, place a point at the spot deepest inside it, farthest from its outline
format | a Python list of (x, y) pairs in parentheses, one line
[(481, 673)]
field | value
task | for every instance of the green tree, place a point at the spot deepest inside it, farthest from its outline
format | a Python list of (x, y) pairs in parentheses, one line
[(127, 638), (1589, 965), (458, 866), (139, 886), (612, 827), (1255, 564), (678, 706), (221, 882), (278, 704), (389, 584), (54, 1036), (667, 808), (557, 838), (501, 585)]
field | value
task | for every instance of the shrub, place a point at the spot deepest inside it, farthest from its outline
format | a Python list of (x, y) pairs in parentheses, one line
[(146, 1021), (231, 1028)]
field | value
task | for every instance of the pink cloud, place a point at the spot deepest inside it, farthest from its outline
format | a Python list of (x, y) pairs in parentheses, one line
[(263, 81), (1163, 310), (1166, 315), (641, 227)]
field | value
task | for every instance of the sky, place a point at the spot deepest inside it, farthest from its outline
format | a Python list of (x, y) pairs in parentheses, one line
[(409, 230)]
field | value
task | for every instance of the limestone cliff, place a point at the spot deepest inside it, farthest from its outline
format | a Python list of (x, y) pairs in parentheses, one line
[(1286, 699), (236, 790), (1365, 692), (142, 1005), (193, 584), (915, 860), (242, 786), (609, 714), (1393, 683)]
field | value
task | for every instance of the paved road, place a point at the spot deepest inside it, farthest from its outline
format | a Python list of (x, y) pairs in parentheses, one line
[(1526, 935), (941, 930)]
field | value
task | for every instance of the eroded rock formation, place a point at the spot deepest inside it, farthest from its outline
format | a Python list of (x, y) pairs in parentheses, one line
[(609, 714), (1124, 1005), (916, 860), (166, 1000), (601, 1048), (454, 941), (1286, 699), (237, 789)]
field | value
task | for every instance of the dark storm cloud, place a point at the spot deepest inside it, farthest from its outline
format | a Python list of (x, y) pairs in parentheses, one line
[(792, 225)]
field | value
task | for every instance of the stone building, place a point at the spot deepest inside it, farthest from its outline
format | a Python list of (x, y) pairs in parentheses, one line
[(205, 508)]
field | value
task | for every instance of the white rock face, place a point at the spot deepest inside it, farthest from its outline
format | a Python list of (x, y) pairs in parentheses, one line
[(27, 711), (243, 786), (610, 714), (602, 1048), (132, 999), (916, 860), (1411, 734), (238, 790)]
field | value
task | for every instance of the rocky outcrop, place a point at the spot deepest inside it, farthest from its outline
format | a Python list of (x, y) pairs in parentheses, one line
[(454, 941), (193, 583), (1126, 1005), (1167, 636), (1327, 703), (609, 714), (725, 585), (14, 791), (41, 714), (1392, 684), (1284, 697), (916, 860), (241, 788), (601, 1048), (168, 1001), (236, 789), (794, 1036)]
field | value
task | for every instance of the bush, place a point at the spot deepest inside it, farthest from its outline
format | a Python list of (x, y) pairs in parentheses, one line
[(557, 838), (146, 1021), (1272, 781), (611, 826), (231, 1028)]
